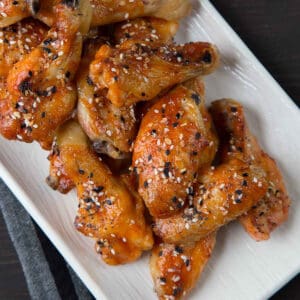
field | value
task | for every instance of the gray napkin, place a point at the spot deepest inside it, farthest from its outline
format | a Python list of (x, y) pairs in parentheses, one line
[(41, 280)]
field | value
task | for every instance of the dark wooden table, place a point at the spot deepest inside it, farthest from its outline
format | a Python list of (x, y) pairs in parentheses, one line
[(271, 29)]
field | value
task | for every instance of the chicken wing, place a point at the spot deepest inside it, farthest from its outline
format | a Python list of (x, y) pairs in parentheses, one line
[(13, 11), (140, 72), (272, 209), (42, 94), (109, 211), (174, 140), (111, 128), (176, 269)]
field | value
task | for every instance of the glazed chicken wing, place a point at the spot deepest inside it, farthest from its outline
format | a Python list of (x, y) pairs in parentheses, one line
[(174, 140), (272, 209), (41, 93), (140, 72), (221, 195), (109, 211), (176, 269), (111, 128), (13, 11)]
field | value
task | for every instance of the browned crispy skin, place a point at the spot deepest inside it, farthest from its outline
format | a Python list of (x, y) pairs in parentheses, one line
[(109, 211), (272, 209), (41, 93), (174, 140), (111, 128), (176, 269), (220, 196), (13, 11), (147, 30), (18, 40), (141, 72)]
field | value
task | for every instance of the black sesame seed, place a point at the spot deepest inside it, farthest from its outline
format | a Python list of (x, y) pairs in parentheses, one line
[(166, 172), (53, 90), (238, 200), (15, 3), (149, 157), (48, 50), (116, 78), (55, 56), (207, 57), (163, 279), (80, 171), (127, 35), (245, 174), (47, 41), (197, 136), (24, 86), (174, 199), (160, 253), (261, 213), (195, 153), (30, 73), (176, 291), (178, 249), (99, 188), (187, 262), (167, 152), (153, 132), (178, 116), (175, 124), (108, 202), (88, 200), (146, 184), (233, 109), (89, 80), (244, 183), (196, 98), (167, 164), (43, 114), (68, 74), (143, 94), (239, 192)]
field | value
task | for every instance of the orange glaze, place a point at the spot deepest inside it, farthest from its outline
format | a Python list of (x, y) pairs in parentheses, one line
[(272, 209)]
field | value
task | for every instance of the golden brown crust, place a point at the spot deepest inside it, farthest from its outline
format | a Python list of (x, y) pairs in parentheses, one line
[(109, 211), (272, 209), (140, 73), (41, 92), (174, 140), (111, 128), (176, 269)]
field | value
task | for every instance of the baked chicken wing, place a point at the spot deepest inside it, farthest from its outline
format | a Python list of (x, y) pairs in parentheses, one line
[(272, 209), (111, 128), (109, 211), (40, 87), (13, 11), (140, 72), (174, 140), (176, 269)]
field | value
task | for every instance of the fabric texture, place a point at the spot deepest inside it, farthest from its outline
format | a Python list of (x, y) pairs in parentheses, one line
[(46, 273)]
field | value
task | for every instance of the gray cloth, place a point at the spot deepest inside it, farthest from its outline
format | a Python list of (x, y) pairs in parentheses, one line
[(40, 280)]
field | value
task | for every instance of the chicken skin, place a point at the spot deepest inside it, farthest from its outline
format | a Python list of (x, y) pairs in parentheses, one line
[(40, 87), (272, 209), (176, 269), (109, 211), (150, 31), (111, 128), (13, 11), (174, 140), (18, 40), (140, 72)]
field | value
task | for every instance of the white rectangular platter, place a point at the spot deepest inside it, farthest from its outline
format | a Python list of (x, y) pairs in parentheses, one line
[(240, 268)]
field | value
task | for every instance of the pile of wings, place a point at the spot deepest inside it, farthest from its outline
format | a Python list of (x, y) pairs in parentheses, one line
[(122, 107)]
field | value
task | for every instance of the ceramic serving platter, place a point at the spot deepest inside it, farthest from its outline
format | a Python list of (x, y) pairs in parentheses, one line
[(240, 268)]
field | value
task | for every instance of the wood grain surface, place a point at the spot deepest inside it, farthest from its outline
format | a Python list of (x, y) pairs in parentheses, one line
[(271, 31)]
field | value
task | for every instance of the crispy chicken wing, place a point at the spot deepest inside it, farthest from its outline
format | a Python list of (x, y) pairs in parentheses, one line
[(13, 11), (174, 140), (176, 269), (272, 209), (41, 92), (109, 211), (221, 195), (140, 72), (111, 128)]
